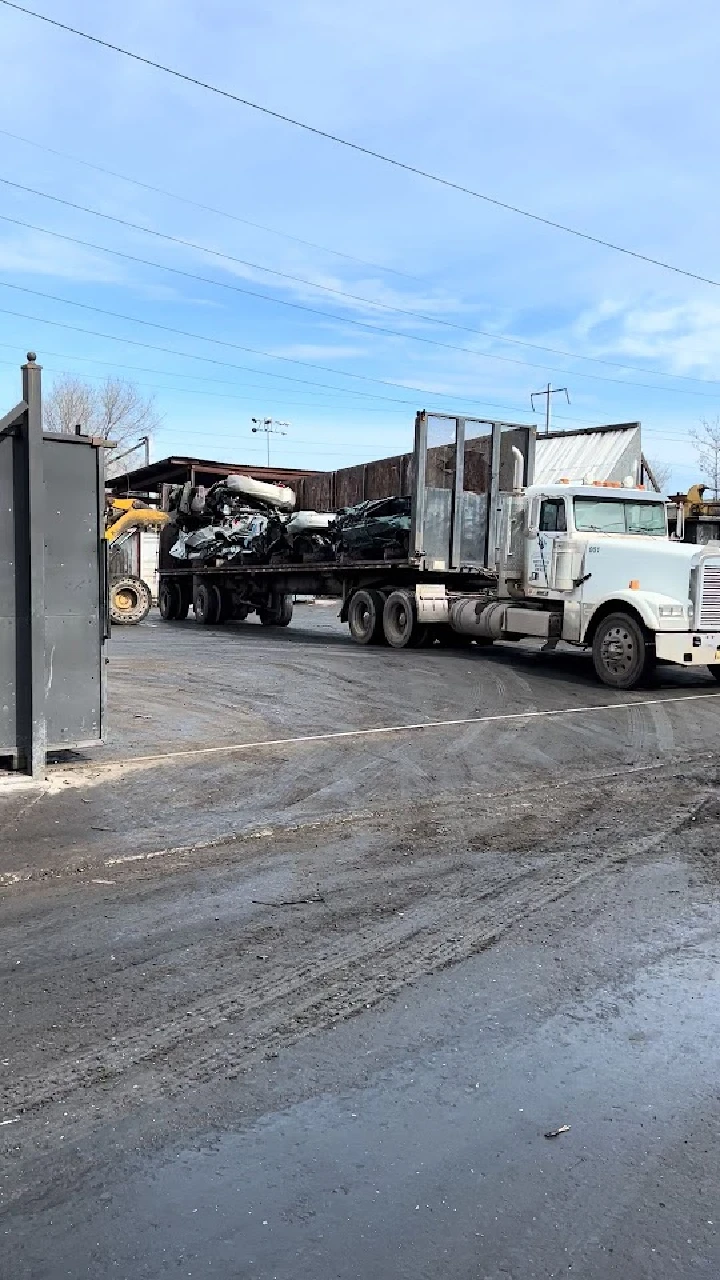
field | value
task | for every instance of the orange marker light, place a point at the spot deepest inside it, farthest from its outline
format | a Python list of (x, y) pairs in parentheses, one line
[(634, 584)]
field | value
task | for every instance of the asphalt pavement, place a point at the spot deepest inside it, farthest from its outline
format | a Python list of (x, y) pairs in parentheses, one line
[(311, 1009)]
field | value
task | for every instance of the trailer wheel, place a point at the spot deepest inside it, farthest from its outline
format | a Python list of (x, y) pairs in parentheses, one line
[(185, 601), (224, 604), (365, 617), (130, 600), (206, 603), (170, 601), (240, 612), (279, 614), (714, 670), (400, 622), (622, 655)]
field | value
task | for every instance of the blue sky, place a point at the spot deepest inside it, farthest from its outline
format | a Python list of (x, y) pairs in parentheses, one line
[(601, 115)]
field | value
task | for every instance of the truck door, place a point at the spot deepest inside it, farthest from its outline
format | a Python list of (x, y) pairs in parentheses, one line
[(552, 525)]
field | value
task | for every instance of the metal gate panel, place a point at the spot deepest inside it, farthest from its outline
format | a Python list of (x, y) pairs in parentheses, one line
[(73, 617), (53, 585), (8, 604)]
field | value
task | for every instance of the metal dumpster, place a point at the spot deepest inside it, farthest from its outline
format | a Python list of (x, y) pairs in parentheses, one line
[(53, 585)]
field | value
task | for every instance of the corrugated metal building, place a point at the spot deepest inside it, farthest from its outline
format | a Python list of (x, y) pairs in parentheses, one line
[(602, 453)]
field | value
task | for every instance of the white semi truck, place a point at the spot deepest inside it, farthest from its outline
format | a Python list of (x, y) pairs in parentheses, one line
[(490, 556), (592, 565)]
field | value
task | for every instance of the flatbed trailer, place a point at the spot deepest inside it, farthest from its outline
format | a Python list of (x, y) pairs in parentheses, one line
[(457, 476)]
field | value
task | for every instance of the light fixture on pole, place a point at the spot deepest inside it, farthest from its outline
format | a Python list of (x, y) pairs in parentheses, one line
[(271, 426)]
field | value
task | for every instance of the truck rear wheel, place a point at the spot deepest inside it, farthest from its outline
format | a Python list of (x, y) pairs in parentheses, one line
[(622, 654), (279, 613), (715, 670), (400, 622), (365, 617), (206, 603), (130, 600)]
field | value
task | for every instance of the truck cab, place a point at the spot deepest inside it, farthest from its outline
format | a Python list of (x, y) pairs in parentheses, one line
[(599, 555)]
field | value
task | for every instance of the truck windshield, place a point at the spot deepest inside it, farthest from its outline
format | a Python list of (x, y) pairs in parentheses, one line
[(612, 515)]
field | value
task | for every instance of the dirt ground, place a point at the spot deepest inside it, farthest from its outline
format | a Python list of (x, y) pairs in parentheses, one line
[(247, 863)]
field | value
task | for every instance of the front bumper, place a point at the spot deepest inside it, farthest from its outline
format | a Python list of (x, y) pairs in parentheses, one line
[(689, 648)]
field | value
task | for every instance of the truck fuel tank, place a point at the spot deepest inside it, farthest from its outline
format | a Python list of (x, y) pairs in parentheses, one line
[(472, 617)]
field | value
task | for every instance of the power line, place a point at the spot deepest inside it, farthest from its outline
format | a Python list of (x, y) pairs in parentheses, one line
[(648, 431), (165, 373), (417, 315), (651, 432), (316, 311), (323, 403), (359, 148), (215, 341), (448, 397), (196, 391), (437, 320), (206, 208)]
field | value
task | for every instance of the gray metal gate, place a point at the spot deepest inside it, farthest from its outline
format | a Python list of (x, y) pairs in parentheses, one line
[(53, 585), (462, 468)]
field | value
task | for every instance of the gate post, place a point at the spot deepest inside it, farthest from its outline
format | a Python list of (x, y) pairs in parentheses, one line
[(36, 747)]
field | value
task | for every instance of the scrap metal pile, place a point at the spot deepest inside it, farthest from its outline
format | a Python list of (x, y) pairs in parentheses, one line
[(250, 521)]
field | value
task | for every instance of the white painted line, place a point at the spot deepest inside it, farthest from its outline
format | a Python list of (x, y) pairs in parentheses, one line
[(15, 1121), (337, 735)]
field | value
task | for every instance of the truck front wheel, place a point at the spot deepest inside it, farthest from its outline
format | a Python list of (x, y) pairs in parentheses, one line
[(622, 654)]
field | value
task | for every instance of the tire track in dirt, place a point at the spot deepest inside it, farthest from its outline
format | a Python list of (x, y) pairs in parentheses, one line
[(306, 988)]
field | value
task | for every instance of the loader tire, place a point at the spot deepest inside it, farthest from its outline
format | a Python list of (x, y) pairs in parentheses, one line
[(365, 617), (130, 600)]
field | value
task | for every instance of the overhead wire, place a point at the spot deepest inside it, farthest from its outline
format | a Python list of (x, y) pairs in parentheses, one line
[(448, 397), (434, 319), (649, 431), (342, 293), (359, 148), (206, 208), (363, 324), (236, 346)]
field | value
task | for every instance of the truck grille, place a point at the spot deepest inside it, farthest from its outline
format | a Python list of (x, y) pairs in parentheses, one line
[(710, 598)]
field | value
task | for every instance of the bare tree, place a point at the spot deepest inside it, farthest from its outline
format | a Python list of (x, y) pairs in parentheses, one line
[(70, 403), (114, 409), (660, 472), (707, 448)]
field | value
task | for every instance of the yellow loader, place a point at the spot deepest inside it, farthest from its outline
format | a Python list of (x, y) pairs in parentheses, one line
[(130, 596)]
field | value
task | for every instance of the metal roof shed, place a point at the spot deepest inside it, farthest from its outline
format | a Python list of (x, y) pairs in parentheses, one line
[(604, 453)]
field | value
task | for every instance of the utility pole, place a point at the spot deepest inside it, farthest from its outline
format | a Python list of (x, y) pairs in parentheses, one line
[(549, 391), (270, 426), (143, 442)]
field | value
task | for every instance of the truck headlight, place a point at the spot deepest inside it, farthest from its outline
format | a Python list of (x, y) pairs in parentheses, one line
[(671, 611)]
